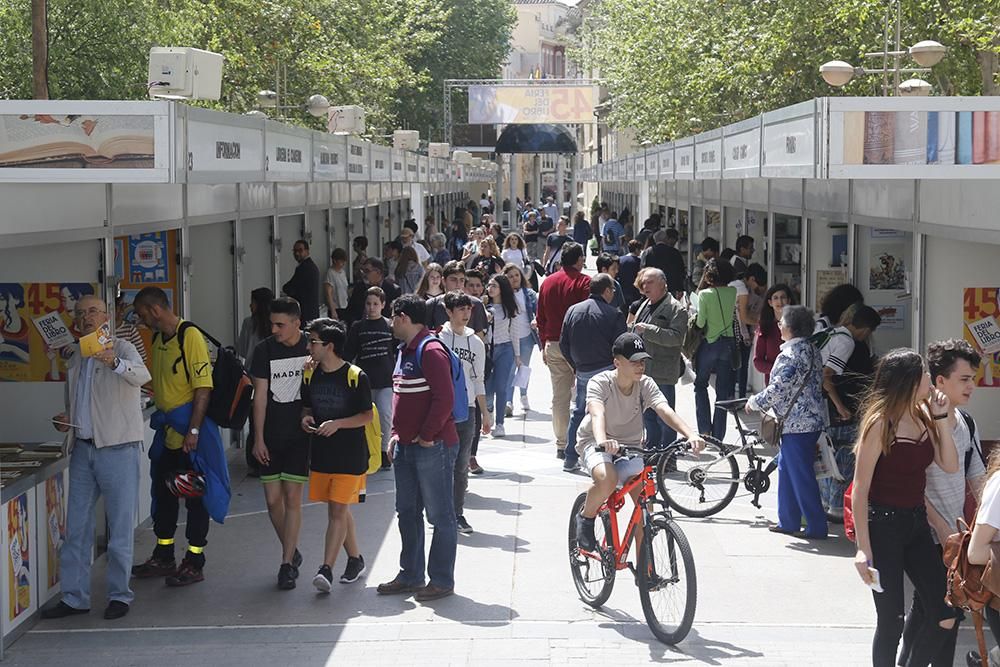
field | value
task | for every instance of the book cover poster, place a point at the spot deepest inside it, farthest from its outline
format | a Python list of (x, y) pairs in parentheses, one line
[(981, 315), (55, 525), (148, 258), (893, 316), (74, 141), (886, 269), (24, 355), (19, 561)]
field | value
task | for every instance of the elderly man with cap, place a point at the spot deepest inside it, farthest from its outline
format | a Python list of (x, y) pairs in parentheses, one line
[(407, 238), (615, 401), (106, 430)]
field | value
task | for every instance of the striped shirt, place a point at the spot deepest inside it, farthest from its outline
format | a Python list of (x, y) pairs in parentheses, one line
[(838, 350), (423, 395)]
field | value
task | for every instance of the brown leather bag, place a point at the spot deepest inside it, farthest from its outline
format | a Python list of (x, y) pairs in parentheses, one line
[(966, 583)]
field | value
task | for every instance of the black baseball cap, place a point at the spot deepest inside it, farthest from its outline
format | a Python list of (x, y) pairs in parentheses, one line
[(630, 346)]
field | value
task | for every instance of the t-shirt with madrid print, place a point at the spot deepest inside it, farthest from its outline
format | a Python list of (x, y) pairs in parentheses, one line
[(281, 366)]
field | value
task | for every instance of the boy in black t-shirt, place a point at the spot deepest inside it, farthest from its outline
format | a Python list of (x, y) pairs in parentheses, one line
[(337, 404), (279, 444)]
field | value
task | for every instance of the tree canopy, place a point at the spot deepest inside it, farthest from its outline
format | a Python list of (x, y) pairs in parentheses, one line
[(389, 56), (675, 67)]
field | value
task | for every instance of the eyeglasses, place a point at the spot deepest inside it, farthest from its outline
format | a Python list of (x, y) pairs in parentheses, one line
[(80, 314), (316, 341)]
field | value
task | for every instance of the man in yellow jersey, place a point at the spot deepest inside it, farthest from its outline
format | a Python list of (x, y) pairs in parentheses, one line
[(181, 376)]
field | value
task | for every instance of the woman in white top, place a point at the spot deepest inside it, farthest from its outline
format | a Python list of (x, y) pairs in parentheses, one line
[(505, 356), (335, 285)]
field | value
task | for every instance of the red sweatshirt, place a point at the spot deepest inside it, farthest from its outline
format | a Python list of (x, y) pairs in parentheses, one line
[(423, 396), (768, 346), (558, 292)]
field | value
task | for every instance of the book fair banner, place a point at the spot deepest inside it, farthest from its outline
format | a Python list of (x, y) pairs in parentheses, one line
[(491, 105), (982, 329), (36, 318)]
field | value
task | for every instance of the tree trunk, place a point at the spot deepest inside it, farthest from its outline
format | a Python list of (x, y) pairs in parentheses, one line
[(39, 50), (989, 64)]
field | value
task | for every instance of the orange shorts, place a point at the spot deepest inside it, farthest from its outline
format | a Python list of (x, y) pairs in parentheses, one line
[(336, 488)]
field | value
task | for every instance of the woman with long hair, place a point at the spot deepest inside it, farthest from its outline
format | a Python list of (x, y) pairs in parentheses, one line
[(525, 330), (408, 270), (255, 328), (904, 427), (768, 334), (514, 251), (505, 355), (430, 284), (488, 261)]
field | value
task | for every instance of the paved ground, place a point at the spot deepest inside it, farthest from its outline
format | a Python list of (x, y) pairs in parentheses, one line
[(763, 599)]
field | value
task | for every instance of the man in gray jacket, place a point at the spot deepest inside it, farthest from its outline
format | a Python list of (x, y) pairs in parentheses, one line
[(589, 331), (661, 322), (105, 428)]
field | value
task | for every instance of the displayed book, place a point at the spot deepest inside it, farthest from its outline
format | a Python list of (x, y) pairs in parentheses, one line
[(992, 124), (909, 141), (879, 131), (854, 137), (22, 464), (97, 341), (964, 140), (76, 141), (54, 331), (978, 137), (941, 137)]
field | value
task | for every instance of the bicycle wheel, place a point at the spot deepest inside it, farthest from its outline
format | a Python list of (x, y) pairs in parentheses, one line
[(591, 575), (698, 485), (668, 587)]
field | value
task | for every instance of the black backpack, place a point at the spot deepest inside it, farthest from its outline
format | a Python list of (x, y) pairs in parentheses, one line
[(232, 388)]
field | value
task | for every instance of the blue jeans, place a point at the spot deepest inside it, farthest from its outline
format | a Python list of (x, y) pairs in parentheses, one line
[(501, 380), (382, 398), (579, 410), (525, 347), (715, 357), (114, 473), (425, 479), (658, 432), (798, 490)]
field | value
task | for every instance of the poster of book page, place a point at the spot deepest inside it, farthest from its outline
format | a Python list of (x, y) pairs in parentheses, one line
[(980, 312), (75, 141)]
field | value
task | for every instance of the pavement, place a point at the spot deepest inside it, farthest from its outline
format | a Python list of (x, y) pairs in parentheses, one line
[(763, 599)]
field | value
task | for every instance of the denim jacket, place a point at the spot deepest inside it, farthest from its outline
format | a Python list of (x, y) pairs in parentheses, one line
[(531, 304), (798, 361)]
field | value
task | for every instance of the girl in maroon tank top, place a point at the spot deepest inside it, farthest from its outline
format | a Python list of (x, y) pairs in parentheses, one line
[(903, 428)]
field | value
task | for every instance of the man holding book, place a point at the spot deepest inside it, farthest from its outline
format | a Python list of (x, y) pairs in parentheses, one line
[(105, 429)]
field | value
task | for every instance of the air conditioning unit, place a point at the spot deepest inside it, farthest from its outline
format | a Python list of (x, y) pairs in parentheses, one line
[(462, 157), (345, 120), (406, 140), (438, 150), (184, 73)]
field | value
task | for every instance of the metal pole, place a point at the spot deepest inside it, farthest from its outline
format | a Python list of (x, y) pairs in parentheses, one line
[(895, 69)]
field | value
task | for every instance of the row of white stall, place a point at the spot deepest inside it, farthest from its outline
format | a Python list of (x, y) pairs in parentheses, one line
[(99, 196), (898, 196)]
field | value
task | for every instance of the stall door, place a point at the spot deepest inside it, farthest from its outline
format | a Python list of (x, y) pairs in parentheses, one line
[(290, 229), (212, 280), (258, 261)]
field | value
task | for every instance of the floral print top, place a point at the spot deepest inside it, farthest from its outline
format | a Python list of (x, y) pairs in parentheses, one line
[(798, 361)]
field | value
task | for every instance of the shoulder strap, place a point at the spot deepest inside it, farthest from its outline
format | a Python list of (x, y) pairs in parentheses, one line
[(971, 423), (353, 373), (182, 360), (802, 384)]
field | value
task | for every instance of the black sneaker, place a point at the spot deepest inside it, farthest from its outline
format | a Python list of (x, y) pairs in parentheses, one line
[(296, 562), (323, 580), (188, 573), (463, 525), (585, 537), (560, 454), (386, 463), (355, 568), (286, 577)]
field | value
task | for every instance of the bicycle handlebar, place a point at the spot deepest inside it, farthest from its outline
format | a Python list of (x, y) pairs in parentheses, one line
[(679, 443)]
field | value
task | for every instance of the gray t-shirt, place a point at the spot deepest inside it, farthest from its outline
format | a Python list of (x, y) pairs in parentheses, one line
[(622, 414), (946, 490)]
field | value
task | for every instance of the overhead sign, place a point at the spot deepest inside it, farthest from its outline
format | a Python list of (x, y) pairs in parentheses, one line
[(490, 105)]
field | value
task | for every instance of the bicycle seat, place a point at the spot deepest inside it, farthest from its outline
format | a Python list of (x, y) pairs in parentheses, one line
[(732, 405)]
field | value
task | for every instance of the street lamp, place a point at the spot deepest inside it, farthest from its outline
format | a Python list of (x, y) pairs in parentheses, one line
[(926, 54)]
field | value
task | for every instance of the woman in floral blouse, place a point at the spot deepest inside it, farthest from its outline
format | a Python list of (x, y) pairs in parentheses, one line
[(797, 363)]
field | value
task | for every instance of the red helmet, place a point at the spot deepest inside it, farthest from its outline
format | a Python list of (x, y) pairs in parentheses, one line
[(187, 484)]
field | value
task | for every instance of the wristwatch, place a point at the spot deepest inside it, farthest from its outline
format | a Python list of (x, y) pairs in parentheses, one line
[(194, 431)]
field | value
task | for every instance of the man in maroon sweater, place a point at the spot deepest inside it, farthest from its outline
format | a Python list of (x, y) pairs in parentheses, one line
[(423, 447), (558, 292)]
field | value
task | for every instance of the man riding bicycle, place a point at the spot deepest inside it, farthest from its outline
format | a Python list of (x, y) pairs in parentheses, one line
[(616, 400)]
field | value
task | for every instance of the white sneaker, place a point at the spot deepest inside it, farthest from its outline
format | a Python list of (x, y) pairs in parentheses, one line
[(509, 411), (524, 403), (498, 431)]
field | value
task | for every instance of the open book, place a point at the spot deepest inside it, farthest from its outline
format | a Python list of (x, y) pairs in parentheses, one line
[(44, 140)]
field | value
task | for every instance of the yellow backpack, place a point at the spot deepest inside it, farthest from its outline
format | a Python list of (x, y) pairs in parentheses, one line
[(373, 429)]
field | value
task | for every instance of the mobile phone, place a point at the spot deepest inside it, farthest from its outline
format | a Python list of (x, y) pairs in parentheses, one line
[(876, 584)]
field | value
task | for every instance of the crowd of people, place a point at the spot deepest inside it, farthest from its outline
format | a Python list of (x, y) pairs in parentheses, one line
[(396, 340)]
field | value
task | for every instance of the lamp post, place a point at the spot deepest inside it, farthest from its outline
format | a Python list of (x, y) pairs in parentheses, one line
[(926, 54)]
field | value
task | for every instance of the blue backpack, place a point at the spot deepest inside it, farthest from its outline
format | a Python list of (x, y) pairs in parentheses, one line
[(460, 409)]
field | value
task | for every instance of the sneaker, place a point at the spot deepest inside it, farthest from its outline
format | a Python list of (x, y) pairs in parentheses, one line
[(386, 463), (474, 467), (296, 562), (286, 577), (355, 568), (509, 410), (524, 402), (154, 567), (498, 431), (463, 525), (186, 575), (561, 454), (585, 537), (323, 580), (570, 466)]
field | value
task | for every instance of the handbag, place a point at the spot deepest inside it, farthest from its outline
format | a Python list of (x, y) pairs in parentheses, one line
[(735, 359), (965, 587), (693, 338), (825, 464), (771, 425)]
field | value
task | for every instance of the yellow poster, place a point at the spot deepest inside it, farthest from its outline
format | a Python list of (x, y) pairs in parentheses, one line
[(539, 103), (981, 312), (18, 557), (55, 534), (24, 356)]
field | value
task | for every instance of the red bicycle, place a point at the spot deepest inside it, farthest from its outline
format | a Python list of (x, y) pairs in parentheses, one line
[(664, 572)]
